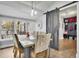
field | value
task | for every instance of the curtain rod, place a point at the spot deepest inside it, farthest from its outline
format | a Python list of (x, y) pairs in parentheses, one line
[(63, 6)]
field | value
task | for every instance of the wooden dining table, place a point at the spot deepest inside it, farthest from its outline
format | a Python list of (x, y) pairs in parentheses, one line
[(27, 44)]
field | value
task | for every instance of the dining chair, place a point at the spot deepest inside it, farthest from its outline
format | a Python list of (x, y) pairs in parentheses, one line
[(41, 33), (35, 34), (41, 46), (17, 46)]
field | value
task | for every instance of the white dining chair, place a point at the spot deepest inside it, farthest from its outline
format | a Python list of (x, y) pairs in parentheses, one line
[(42, 46)]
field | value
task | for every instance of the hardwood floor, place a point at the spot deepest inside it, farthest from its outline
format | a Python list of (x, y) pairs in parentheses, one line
[(70, 53), (6, 53)]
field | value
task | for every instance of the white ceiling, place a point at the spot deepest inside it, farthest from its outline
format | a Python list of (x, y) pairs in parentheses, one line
[(69, 12), (23, 8)]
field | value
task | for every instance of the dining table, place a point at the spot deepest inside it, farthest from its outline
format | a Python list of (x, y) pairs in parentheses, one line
[(27, 44)]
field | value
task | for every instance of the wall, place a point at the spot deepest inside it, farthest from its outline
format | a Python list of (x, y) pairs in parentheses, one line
[(42, 21), (77, 55), (61, 27)]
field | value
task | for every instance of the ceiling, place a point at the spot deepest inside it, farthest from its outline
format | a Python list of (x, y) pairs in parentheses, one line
[(69, 12), (23, 8)]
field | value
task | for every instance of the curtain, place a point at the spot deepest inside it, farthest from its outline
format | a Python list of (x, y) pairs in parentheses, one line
[(52, 26)]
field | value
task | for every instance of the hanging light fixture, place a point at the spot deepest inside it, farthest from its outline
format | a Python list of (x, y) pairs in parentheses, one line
[(33, 12), (32, 9)]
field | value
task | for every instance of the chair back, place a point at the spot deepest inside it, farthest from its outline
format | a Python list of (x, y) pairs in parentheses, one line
[(42, 43), (41, 33), (16, 41), (48, 38)]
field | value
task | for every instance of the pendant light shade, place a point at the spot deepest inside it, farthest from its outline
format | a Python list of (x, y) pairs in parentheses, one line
[(33, 12)]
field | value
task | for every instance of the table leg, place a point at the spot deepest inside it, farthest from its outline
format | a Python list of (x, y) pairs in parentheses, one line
[(27, 52)]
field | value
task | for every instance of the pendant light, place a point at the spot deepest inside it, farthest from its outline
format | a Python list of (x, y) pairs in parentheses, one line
[(33, 12)]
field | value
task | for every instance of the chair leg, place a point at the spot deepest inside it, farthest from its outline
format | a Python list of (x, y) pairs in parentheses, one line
[(47, 53), (15, 53), (13, 50), (19, 54)]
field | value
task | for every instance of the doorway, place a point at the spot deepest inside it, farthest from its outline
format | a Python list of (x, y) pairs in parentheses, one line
[(67, 30)]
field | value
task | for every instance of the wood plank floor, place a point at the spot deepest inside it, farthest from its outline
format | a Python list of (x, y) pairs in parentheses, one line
[(70, 53), (6, 53)]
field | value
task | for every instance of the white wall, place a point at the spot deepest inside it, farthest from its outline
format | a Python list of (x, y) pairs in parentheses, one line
[(41, 20), (77, 55), (61, 27)]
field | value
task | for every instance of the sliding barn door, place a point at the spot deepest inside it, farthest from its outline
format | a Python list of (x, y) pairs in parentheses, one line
[(52, 26)]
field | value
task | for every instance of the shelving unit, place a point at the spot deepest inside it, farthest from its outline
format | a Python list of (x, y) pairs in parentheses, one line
[(70, 28)]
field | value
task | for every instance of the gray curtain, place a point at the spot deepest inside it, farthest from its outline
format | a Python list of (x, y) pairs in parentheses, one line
[(52, 26)]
